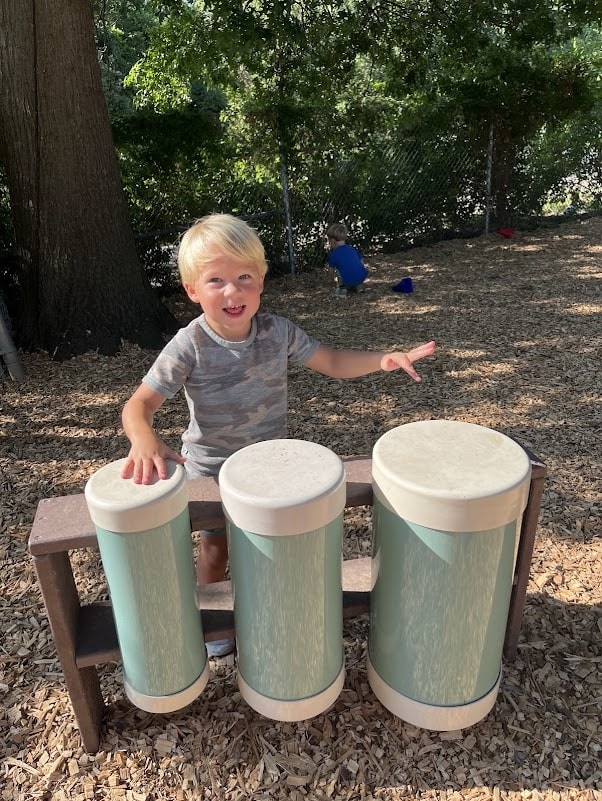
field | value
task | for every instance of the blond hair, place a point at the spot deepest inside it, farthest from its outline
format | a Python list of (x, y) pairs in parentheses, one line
[(218, 235), (338, 232)]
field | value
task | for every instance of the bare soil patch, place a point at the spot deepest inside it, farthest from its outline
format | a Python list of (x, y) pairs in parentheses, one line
[(519, 331)]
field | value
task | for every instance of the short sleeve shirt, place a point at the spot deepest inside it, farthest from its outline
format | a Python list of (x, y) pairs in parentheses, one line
[(236, 391), (348, 263)]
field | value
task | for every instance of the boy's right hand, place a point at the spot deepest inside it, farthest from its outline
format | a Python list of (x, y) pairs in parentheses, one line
[(147, 455), (147, 452)]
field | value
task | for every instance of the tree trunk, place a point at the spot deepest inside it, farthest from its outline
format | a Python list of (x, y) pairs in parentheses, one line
[(504, 161), (83, 286)]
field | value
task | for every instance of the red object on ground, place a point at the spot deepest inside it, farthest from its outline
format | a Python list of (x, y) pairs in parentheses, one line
[(508, 233)]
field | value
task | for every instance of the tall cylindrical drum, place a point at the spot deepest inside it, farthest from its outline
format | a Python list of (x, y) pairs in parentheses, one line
[(284, 500), (448, 502), (145, 544)]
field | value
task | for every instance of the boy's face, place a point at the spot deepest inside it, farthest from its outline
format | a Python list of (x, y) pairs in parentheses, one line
[(229, 292)]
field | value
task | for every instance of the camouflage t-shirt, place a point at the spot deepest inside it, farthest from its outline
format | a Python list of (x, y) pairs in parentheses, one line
[(236, 391)]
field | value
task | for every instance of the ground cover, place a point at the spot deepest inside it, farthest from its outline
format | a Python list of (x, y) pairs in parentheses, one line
[(518, 325)]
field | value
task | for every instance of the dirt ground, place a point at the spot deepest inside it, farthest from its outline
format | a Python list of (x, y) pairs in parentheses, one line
[(518, 326)]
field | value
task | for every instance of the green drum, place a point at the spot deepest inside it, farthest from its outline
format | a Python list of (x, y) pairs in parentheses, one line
[(145, 544), (448, 502), (283, 501)]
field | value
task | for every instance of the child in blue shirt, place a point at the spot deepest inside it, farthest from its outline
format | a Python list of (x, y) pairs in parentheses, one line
[(348, 270)]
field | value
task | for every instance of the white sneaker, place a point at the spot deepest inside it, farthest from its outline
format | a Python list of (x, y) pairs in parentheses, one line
[(340, 292)]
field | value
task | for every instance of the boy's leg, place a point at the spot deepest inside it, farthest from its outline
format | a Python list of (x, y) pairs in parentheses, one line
[(211, 563), (212, 557)]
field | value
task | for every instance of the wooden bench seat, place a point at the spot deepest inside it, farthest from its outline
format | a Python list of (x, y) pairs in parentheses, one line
[(85, 635)]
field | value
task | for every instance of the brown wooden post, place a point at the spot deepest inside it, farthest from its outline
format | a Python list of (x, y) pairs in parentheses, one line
[(524, 555), (59, 592)]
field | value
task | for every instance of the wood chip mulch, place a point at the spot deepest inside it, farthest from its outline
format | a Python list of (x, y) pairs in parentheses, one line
[(519, 332)]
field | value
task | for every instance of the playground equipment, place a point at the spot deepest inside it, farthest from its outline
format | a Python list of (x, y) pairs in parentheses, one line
[(283, 501), (145, 543), (448, 502), (83, 628)]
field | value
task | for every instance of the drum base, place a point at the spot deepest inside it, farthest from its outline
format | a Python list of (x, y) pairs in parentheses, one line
[(168, 703), (428, 716), (301, 709)]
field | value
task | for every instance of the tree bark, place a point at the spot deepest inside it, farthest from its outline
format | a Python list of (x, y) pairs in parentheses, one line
[(504, 162), (83, 287)]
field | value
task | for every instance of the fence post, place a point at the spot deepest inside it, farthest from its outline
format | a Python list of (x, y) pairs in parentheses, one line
[(489, 171), (287, 211)]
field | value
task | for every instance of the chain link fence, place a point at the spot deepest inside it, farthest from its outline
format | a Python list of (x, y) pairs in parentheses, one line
[(415, 191), (395, 191), (391, 197)]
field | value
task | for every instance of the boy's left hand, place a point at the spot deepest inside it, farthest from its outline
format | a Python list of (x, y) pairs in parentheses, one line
[(405, 361)]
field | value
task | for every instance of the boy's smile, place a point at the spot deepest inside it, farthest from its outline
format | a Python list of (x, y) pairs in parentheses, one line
[(234, 311), (229, 293)]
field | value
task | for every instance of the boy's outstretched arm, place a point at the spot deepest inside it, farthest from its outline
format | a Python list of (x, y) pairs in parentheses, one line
[(354, 363), (147, 452)]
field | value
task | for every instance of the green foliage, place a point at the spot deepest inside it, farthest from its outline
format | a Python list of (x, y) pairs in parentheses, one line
[(165, 161), (514, 64), (363, 103), (561, 166), (121, 35), (562, 169)]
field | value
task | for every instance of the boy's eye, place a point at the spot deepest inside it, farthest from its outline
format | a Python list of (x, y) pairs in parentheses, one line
[(244, 277)]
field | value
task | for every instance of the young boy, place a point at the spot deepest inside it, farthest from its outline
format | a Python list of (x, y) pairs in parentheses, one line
[(232, 363), (347, 269)]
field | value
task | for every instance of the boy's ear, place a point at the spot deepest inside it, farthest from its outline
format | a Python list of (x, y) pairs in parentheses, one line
[(191, 292)]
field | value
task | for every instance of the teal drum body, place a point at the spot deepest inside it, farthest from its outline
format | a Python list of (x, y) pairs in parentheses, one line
[(146, 549), (448, 502), (284, 502)]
